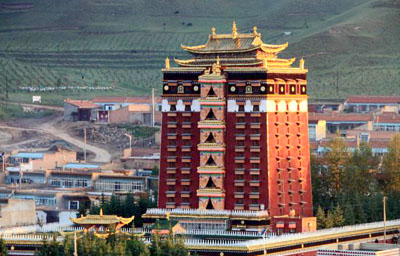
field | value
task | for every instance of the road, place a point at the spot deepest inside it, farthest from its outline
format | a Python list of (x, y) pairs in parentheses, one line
[(38, 106), (101, 155)]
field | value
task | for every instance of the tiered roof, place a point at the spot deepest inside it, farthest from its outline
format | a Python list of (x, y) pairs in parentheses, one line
[(102, 219), (236, 50)]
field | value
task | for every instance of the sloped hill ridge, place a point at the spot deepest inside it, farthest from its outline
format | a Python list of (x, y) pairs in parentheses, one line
[(350, 46)]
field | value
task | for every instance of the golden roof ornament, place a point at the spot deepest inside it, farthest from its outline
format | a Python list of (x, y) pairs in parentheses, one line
[(101, 212), (255, 33), (234, 30), (216, 67), (167, 63), (213, 31), (302, 63)]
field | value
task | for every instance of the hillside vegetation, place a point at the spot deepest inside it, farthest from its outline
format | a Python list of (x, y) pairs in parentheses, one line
[(349, 44)]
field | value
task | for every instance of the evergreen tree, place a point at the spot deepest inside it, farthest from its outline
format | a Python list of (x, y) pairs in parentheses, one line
[(3, 248), (330, 221), (321, 218), (337, 215), (358, 210)]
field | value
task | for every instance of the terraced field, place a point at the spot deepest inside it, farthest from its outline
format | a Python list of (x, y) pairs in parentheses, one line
[(350, 46)]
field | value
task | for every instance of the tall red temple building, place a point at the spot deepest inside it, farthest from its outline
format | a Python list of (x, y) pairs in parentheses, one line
[(235, 128)]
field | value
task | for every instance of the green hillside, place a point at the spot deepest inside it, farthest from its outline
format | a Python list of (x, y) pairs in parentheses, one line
[(121, 43)]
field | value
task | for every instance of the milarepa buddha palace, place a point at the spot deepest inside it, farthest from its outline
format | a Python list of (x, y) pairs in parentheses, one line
[(235, 136)]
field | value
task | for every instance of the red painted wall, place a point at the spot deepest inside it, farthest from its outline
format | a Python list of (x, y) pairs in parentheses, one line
[(179, 142)]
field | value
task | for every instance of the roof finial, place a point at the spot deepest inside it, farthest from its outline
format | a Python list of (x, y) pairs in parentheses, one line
[(218, 62), (101, 212), (255, 31), (213, 31), (167, 63), (234, 30), (302, 63)]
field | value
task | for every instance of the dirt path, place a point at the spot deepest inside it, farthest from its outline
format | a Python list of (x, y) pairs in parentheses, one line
[(16, 145), (101, 155)]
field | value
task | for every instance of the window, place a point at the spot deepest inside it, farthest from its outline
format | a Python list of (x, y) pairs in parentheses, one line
[(249, 89), (188, 108), (173, 107), (256, 108), (73, 205), (241, 108), (181, 89), (240, 143), (117, 186)]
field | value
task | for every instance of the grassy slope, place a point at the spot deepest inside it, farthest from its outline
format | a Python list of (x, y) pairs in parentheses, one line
[(124, 43)]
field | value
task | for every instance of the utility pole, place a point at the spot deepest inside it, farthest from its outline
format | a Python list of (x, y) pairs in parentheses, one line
[(84, 143), (75, 245), (337, 82), (384, 219), (153, 105)]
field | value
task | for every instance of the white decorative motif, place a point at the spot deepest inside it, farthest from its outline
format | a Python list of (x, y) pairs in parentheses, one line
[(195, 106), (303, 106), (292, 106), (282, 106), (179, 106), (264, 105), (165, 107), (248, 107), (232, 106)]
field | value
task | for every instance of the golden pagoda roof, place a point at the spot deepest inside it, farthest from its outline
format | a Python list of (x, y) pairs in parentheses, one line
[(235, 42), (101, 219)]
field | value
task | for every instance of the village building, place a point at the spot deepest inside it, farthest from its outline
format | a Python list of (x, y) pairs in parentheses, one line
[(136, 110), (365, 104), (17, 212), (52, 158), (80, 110)]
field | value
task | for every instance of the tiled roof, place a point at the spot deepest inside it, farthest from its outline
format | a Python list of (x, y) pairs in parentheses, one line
[(226, 44), (372, 99), (387, 118), (82, 103), (352, 143), (340, 117), (123, 99)]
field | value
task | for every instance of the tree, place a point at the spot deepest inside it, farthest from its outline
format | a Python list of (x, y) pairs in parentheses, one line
[(50, 249), (321, 218), (337, 216), (335, 159), (329, 222), (391, 167), (360, 172), (135, 247), (3, 248)]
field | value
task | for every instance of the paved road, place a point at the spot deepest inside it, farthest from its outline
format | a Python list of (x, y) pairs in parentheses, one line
[(101, 155)]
